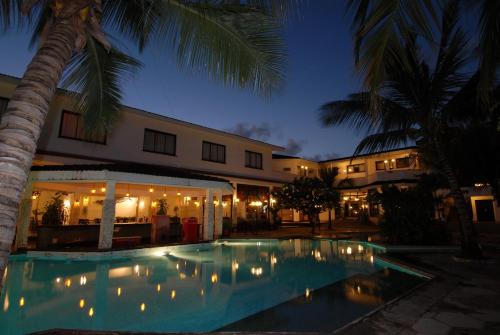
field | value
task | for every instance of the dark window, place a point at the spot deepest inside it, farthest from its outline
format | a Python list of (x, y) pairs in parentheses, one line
[(287, 169), (380, 165), (159, 142), (253, 160), (213, 152), (403, 162), (72, 127), (3, 105), (356, 168)]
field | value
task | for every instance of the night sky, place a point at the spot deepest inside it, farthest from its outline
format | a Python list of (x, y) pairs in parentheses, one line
[(320, 69)]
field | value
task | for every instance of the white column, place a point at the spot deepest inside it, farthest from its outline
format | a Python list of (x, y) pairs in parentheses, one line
[(220, 214), (208, 220), (234, 207), (108, 217), (24, 217)]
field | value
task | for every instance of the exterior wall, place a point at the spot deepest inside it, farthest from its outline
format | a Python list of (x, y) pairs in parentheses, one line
[(125, 143), (296, 167), (371, 175)]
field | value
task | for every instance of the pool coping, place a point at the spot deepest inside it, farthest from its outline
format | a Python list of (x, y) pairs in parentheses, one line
[(415, 269)]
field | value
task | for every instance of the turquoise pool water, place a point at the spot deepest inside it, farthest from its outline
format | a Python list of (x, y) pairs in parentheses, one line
[(183, 291)]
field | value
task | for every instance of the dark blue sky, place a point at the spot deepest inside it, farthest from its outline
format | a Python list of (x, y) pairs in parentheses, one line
[(320, 69)]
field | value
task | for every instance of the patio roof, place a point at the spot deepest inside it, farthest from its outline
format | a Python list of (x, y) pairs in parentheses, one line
[(127, 173), (153, 170)]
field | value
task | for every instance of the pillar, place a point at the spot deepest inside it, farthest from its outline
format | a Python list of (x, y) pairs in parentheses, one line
[(75, 210), (208, 220), (108, 217), (234, 207), (220, 214), (24, 217)]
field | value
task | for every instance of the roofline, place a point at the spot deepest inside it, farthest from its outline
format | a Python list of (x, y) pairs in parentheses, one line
[(274, 147), (365, 155)]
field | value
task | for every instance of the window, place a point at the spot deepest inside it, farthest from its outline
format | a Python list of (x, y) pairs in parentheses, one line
[(356, 168), (253, 160), (302, 170), (3, 105), (159, 142), (213, 152), (72, 127), (403, 162), (287, 169), (380, 165)]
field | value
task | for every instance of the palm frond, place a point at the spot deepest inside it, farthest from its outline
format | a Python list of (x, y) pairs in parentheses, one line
[(452, 56), (355, 113), (11, 15), (489, 47), (95, 76), (387, 141), (240, 45), (380, 28), (328, 175)]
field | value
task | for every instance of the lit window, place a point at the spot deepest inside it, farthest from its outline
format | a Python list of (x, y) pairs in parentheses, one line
[(356, 168)]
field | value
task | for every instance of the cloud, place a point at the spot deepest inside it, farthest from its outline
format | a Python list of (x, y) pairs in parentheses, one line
[(293, 147), (259, 132), (322, 157)]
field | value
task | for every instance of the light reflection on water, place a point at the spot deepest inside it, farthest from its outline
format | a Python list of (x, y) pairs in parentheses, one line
[(183, 291)]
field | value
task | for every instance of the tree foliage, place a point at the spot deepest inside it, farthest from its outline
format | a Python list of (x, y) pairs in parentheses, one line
[(409, 214), (308, 196)]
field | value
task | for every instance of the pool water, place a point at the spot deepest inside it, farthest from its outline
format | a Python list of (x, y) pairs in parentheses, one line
[(195, 290)]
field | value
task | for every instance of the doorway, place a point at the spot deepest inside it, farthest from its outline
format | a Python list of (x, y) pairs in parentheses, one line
[(485, 211)]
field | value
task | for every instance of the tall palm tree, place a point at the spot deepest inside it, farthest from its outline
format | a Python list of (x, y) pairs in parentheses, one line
[(380, 26), (328, 176), (238, 44), (418, 102)]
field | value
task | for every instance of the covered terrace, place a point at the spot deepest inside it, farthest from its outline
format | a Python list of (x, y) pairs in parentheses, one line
[(102, 204)]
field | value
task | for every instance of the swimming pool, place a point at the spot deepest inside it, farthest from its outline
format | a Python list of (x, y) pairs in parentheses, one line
[(230, 285)]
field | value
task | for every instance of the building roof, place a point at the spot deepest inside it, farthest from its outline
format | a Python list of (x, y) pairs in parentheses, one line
[(153, 170), (364, 155), (15, 80), (280, 156)]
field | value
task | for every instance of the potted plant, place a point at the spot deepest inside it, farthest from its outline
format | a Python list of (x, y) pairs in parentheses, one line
[(160, 227), (54, 212)]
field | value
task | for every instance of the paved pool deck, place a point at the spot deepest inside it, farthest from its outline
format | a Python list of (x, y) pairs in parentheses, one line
[(464, 298)]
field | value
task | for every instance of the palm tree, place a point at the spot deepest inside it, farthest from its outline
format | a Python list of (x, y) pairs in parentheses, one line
[(380, 27), (238, 44), (328, 176), (418, 103)]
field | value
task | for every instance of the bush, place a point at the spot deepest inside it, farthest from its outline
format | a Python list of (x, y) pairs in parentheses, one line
[(408, 216)]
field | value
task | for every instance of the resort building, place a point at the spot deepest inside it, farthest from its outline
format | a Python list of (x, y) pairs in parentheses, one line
[(117, 187)]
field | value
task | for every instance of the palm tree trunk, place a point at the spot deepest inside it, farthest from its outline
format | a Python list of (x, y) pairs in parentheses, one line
[(330, 219), (22, 124), (470, 245)]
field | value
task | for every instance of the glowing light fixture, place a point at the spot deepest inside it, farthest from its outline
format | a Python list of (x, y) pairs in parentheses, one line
[(173, 294), (82, 303), (91, 312), (21, 302)]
